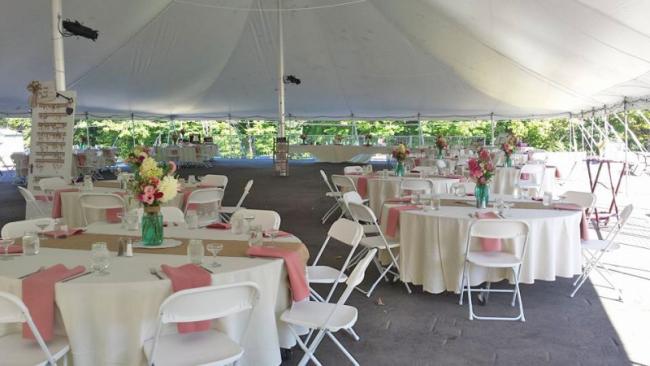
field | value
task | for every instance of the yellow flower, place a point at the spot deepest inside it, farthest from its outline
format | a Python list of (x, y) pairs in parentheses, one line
[(150, 169), (169, 188)]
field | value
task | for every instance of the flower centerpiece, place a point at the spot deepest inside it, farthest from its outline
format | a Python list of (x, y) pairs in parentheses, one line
[(303, 137), (400, 153), (153, 183), (368, 139), (481, 170), (507, 150), (441, 144)]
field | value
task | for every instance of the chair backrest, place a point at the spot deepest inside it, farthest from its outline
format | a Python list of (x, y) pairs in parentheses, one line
[(352, 197), (535, 173), (341, 182), (216, 180), (13, 310), (427, 170), (346, 231), (622, 220), (362, 213), (16, 229), (353, 169), (586, 200), (247, 189), (327, 182), (204, 196), (52, 183), (99, 201), (356, 277), (205, 303), (30, 200), (266, 218), (499, 229), (416, 185)]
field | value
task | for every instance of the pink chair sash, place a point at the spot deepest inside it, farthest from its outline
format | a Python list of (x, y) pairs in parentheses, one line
[(56, 201), (185, 277), (362, 186), (489, 245), (392, 221), (584, 226), (293, 264)]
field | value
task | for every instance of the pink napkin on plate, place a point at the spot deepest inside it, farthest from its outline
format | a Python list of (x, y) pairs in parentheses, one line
[(393, 218), (489, 245), (219, 225), (56, 201), (294, 265), (362, 186), (38, 296), (584, 226), (64, 234), (185, 277), (278, 234)]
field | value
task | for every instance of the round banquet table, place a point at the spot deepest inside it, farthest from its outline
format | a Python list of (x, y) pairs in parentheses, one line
[(381, 189), (108, 318), (433, 244), (505, 180)]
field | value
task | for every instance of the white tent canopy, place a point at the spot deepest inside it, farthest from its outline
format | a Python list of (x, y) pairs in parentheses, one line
[(361, 58)]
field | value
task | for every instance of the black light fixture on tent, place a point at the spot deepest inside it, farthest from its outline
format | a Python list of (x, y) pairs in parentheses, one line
[(68, 109), (291, 79), (74, 28)]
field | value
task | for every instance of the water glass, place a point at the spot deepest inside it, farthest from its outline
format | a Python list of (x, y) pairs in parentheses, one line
[(459, 190), (255, 236), (100, 258), (131, 221), (237, 225), (192, 220), (435, 202), (547, 199), (88, 183), (195, 251), (516, 193), (191, 179), (31, 243), (6, 243), (214, 249), (42, 224)]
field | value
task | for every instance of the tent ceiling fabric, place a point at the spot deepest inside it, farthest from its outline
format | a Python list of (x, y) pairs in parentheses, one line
[(367, 58)]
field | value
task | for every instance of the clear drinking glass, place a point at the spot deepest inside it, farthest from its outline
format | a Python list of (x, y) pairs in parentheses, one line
[(31, 244), (248, 226), (435, 202), (214, 249), (100, 258), (547, 199), (192, 220), (273, 233), (255, 236), (460, 190), (6, 243), (195, 251), (42, 224)]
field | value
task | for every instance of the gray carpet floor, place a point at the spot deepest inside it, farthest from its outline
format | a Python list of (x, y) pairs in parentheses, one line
[(421, 328)]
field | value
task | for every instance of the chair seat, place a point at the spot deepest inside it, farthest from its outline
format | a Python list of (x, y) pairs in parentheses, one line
[(334, 194), (598, 245), (370, 229), (377, 242), (18, 351), (493, 259), (204, 348), (313, 315), (324, 274)]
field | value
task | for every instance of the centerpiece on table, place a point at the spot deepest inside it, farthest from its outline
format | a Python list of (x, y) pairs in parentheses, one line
[(481, 171), (441, 144), (153, 183), (507, 150), (400, 153)]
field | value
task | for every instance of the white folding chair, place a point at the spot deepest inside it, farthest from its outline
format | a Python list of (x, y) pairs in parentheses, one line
[(327, 318), (30, 200), (419, 186), (220, 181), (424, 170), (211, 347), (17, 351), (267, 219), (587, 201), (99, 202), (512, 230), (595, 250), (534, 177), (208, 200), (227, 211), (336, 195), (353, 169), (16, 229), (50, 184), (363, 214), (354, 197)]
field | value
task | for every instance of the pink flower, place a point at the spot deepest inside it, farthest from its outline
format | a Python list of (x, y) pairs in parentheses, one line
[(148, 190), (489, 166), (484, 155), (477, 173), (472, 164), (482, 180), (172, 167)]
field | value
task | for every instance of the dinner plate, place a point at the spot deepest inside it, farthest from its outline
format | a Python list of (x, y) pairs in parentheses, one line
[(167, 243)]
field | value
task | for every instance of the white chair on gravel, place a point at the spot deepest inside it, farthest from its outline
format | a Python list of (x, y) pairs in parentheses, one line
[(99, 202), (327, 318), (533, 177), (595, 250), (267, 219), (419, 186), (211, 347), (39, 206), (516, 232), (227, 211), (216, 180), (16, 229), (206, 201), (18, 351), (364, 215), (354, 197), (333, 193), (353, 169)]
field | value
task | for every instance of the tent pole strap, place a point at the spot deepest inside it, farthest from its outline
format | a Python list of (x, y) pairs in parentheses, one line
[(57, 46)]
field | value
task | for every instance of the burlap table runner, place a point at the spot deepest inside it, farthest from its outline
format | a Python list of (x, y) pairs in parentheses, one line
[(107, 184), (529, 205), (231, 248)]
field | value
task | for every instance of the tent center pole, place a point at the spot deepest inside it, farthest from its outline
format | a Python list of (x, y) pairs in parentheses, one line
[(57, 46), (280, 72)]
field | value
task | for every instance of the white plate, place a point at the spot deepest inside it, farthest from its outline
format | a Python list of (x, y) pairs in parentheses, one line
[(167, 243)]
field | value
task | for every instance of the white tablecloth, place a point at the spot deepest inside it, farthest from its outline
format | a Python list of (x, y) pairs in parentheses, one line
[(107, 318), (505, 180), (433, 245), (339, 153)]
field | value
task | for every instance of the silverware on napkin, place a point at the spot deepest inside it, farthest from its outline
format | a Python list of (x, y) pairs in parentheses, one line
[(76, 276), (207, 269), (154, 272)]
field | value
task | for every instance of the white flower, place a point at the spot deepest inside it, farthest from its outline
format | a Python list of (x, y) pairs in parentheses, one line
[(169, 188)]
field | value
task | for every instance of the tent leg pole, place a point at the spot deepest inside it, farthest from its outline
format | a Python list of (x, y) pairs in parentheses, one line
[(57, 46)]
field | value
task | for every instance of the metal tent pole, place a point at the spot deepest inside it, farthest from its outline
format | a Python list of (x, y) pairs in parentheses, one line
[(420, 133), (492, 125), (57, 47), (280, 72), (627, 133), (87, 131)]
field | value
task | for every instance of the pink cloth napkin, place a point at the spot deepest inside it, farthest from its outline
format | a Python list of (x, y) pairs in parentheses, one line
[(489, 245), (362, 186), (13, 249), (219, 225), (417, 161), (295, 268), (56, 201), (112, 215), (584, 226), (393, 218), (63, 234), (38, 296), (278, 234), (185, 277)]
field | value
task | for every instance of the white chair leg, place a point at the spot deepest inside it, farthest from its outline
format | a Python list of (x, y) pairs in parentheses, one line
[(340, 346), (462, 284), (469, 294), (309, 354), (353, 334)]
